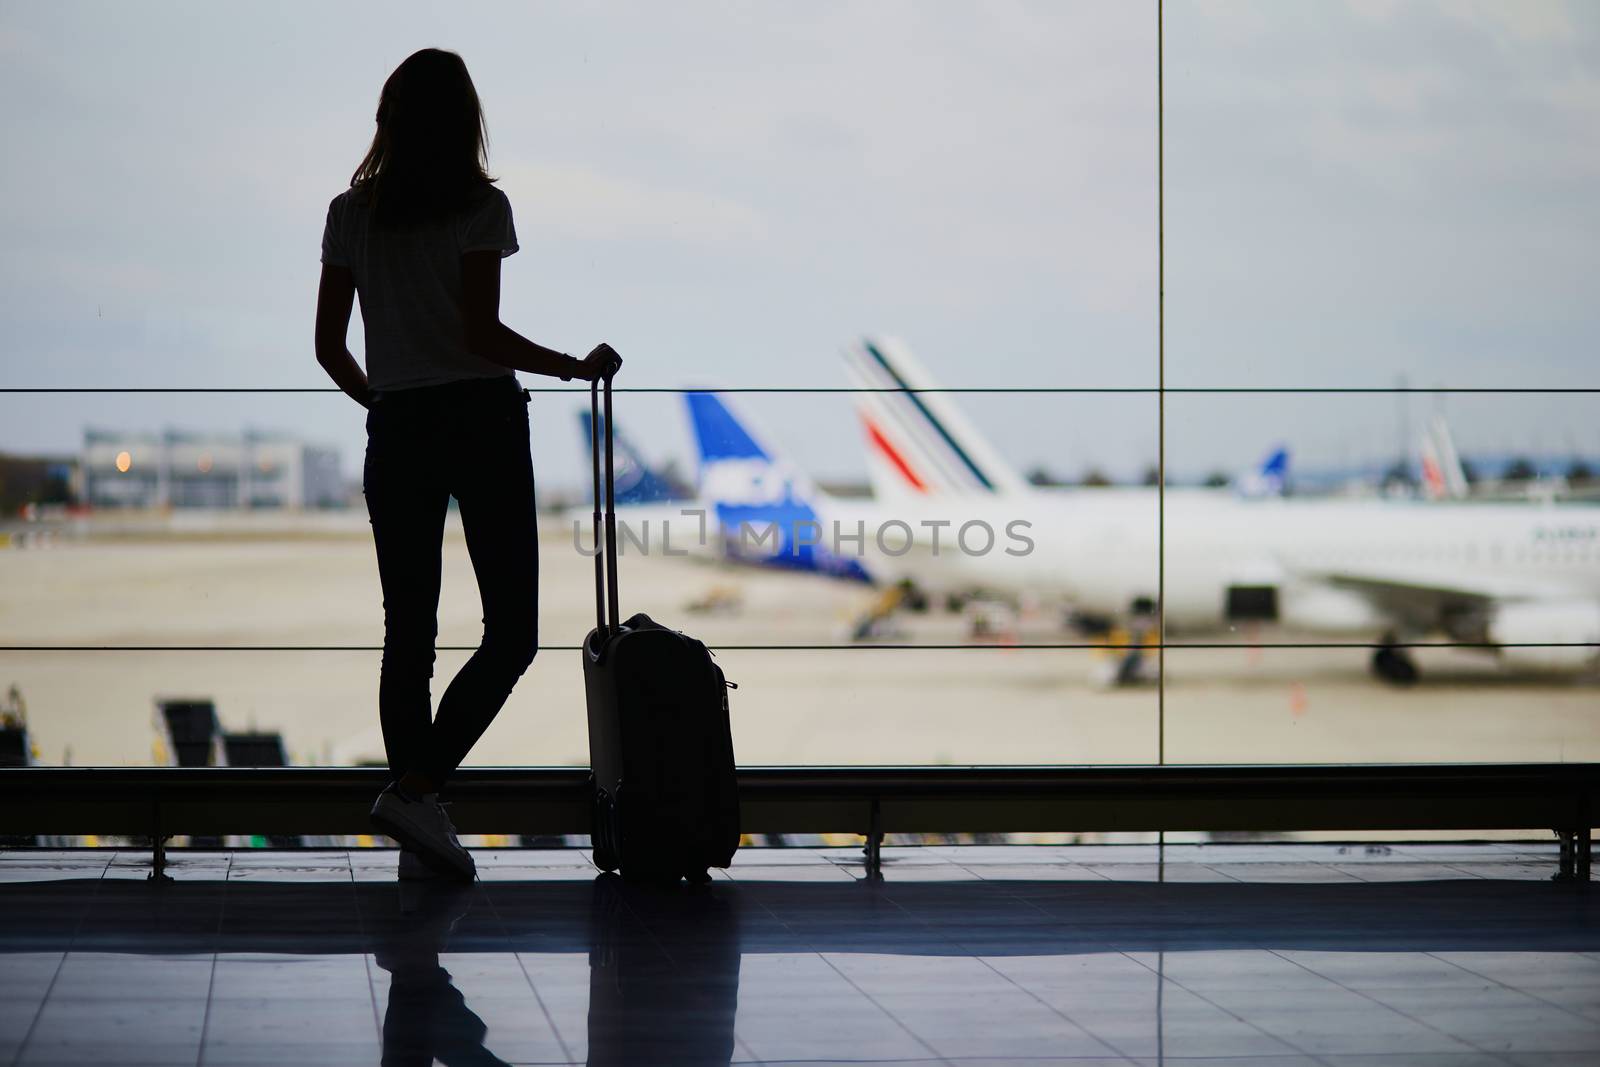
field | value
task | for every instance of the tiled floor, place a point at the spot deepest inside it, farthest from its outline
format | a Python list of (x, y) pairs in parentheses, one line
[(1260, 954)]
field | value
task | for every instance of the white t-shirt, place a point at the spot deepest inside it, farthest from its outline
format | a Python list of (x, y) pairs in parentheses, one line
[(409, 282)]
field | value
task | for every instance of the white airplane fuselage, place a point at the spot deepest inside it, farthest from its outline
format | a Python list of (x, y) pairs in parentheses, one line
[(1522, 579), (1502, 573)]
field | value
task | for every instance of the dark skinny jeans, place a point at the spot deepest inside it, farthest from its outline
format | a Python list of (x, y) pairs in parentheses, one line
[(468, 440)]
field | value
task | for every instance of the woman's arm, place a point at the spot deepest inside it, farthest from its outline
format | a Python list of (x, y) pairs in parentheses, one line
[(336, 295), (496, 342)]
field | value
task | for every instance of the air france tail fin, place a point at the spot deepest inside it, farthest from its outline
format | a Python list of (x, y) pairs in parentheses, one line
[(768, 512), (1443, 477), (919, 442), (636, 481)]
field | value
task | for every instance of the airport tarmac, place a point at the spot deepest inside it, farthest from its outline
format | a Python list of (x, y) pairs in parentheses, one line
[(964, 705)]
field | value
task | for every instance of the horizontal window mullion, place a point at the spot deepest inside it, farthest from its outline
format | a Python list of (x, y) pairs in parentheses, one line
[(1085, 646), (999, 390)]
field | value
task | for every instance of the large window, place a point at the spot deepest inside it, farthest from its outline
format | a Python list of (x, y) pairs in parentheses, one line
[(1351, 487)]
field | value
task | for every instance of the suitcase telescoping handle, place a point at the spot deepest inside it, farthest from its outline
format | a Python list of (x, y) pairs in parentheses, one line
[(605, 556)]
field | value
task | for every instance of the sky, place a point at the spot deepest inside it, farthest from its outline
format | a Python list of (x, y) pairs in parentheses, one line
[(1357, 194)]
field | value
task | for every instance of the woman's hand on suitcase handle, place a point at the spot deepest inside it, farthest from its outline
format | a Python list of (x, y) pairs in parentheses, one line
[(603, 362)]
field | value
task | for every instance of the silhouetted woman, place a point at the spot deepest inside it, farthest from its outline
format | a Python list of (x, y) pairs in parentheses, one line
[(419, 235)]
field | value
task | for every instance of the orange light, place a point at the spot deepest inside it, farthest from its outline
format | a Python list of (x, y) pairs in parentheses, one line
[(203, 464), (124, 462)]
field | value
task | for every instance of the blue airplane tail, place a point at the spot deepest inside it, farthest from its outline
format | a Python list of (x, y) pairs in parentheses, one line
[(636, 481), (768, 512), (1269, 479)]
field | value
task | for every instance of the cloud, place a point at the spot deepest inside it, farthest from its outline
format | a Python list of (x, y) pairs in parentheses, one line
[(1353, 190), (15, 41), (1527, 20), (577, 201)]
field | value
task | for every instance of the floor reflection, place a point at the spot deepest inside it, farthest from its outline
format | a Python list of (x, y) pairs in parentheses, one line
[(290, 959), (663, 975), (427, 1018)]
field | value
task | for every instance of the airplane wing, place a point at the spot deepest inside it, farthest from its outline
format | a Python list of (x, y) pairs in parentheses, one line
[(1409, 591), (1416, 602), (1548, 631)]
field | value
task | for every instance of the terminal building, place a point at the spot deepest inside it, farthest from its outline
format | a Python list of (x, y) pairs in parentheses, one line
[(180, 469)]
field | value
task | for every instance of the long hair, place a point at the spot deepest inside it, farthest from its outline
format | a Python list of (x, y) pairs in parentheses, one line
[(429, 155)]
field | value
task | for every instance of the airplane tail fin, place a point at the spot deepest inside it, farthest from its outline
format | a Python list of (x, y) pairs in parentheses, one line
[(636, 481), (768, 511), (1269, 479), (919, 442), (1443, 477), (720, 435)]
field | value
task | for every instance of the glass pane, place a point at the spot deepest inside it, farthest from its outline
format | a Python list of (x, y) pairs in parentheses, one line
[(1369, 194), (963, 568), (1388, 521), (814, 707), (1252, 703), (982, 181)]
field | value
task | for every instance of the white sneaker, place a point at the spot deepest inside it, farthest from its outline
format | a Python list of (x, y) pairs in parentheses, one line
[(425, 828)]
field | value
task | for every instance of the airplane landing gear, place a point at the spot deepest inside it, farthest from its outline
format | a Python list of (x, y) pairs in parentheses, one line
[(1394, 665)]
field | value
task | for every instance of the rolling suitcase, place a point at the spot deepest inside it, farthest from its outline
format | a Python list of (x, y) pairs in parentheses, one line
[(665, 796)]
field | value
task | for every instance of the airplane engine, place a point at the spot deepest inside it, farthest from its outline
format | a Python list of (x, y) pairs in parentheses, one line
[(1562, 622), (1325, 609)]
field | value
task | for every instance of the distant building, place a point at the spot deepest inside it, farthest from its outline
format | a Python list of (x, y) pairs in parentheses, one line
[(26, 481), (194, 470)]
